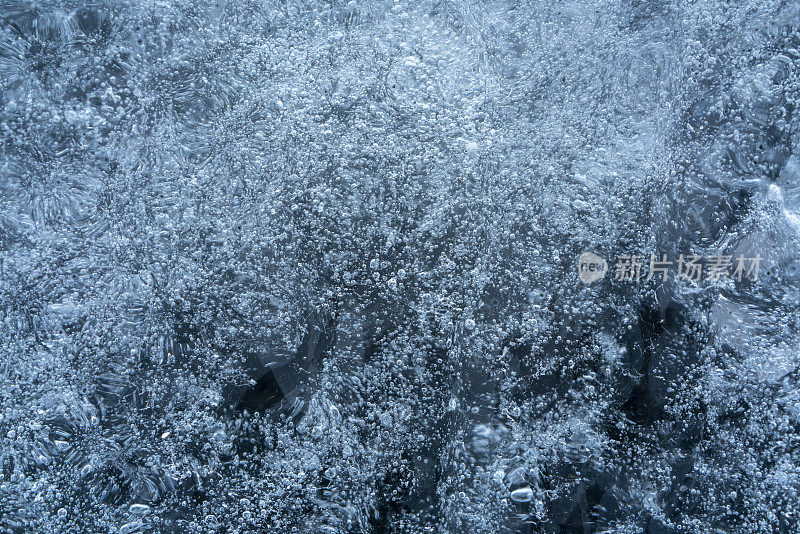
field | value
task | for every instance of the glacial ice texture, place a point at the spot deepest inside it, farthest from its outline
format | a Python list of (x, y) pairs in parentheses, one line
[(305, 266)]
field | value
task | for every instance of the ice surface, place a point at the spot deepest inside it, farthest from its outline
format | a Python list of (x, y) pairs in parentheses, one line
[(308, 266)]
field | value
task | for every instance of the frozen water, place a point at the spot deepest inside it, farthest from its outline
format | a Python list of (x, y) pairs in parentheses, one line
[(310, 266)]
